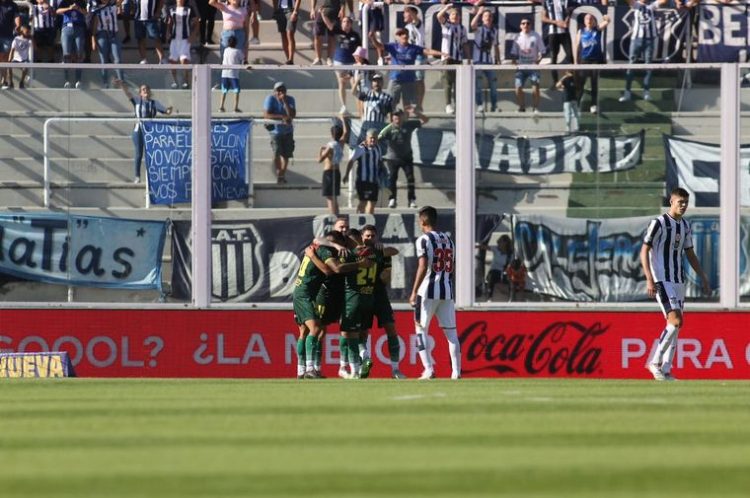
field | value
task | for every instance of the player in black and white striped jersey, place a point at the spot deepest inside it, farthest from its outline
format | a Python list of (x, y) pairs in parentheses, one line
[(182, 24), (667, 238), (432, 293), (643, 38), (369, 160)]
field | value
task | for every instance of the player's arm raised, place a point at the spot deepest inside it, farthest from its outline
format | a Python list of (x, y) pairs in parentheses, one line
[(319, 264)]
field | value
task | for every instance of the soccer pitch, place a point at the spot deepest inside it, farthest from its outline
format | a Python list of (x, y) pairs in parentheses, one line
[(222, 438)]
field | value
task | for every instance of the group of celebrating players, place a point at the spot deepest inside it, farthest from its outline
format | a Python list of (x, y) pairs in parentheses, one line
[(343, 279)]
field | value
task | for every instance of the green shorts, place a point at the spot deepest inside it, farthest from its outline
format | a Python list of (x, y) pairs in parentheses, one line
[(358, 313), (328, 307), (383, 309), (304, 309)]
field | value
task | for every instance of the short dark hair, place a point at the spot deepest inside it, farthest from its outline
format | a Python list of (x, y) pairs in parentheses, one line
[(369, 228), (412, 9), (428, 215), (232, 41), (337, 132), (680, 192), (355, 235), (335, 236)]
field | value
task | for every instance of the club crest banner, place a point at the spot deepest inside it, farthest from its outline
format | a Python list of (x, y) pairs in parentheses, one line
[(83, 251), (696, 167), (580, 153), (169, 156), (258, 260)]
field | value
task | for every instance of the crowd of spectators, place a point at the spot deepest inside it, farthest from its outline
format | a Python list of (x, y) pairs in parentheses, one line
[(86, 26)]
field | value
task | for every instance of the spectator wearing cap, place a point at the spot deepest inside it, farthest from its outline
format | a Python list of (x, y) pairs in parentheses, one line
[(403, 84), (281, 109)]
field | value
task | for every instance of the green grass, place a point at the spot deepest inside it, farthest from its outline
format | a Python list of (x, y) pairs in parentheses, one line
[(577, 438)]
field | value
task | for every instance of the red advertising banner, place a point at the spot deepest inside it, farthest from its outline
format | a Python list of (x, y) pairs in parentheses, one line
[(261, 344)]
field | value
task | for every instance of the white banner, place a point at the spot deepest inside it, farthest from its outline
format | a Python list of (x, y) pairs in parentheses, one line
[(696, 166)]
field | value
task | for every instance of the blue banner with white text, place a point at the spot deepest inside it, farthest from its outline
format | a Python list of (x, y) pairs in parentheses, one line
[(83, 251), (722, 33), (169, 157)]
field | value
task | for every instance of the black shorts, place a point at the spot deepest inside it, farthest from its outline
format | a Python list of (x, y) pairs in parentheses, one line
[(284, 22), (367, 191), (283, 145), (376, 21), (320, 28), (331, 183), (45, 37)]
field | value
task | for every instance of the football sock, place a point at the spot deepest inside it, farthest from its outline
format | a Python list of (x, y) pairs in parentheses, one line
[(318, 354), (424, 354), (343, 352), (354, 360), (362, 348), (394, 351), (301, 352), (454, 348), (310, 344), (666, 365)]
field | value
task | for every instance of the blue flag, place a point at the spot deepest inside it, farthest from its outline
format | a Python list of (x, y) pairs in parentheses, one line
[(169, 157)]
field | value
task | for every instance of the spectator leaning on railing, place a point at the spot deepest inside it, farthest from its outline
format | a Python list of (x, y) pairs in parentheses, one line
[(282, 109)]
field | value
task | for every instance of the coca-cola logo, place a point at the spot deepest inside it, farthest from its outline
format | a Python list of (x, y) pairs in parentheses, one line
[(562, 347)]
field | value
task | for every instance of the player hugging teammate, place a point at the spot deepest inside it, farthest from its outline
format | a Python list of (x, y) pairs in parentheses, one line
[(354, 270)]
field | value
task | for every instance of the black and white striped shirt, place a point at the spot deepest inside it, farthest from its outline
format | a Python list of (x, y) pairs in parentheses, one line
[(369, 162), (146, 109), (485, 41), (557, 10), (668, 239), (42, 18), (416, 34), (146, 10), (454, 39), (438, 248), (106, 18), (644, 21), (377, 106), (181, 19)]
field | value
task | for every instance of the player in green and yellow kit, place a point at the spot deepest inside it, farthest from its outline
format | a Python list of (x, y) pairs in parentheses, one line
[(316, 265), (382, 305)]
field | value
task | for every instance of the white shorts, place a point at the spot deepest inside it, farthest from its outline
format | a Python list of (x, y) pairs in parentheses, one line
[(670, 296), (442, 308), (179, 50)]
